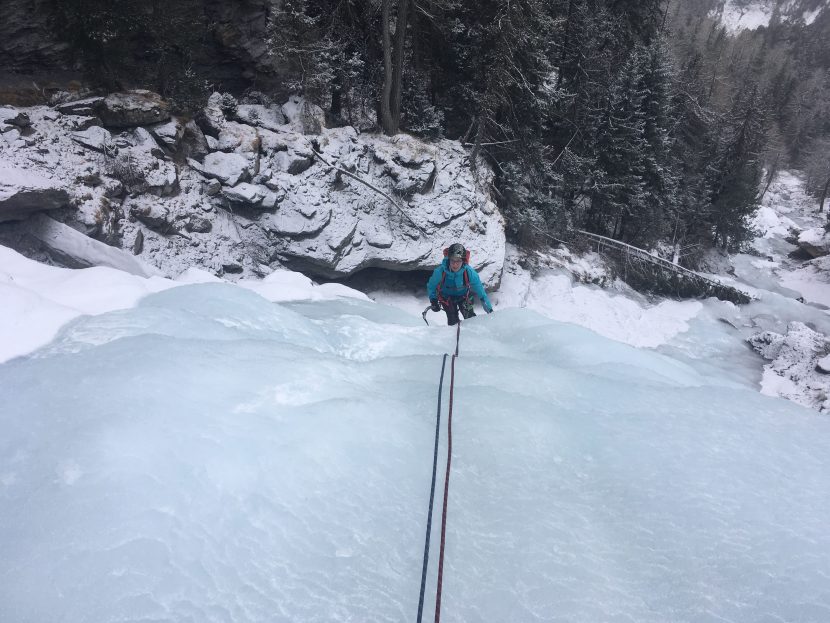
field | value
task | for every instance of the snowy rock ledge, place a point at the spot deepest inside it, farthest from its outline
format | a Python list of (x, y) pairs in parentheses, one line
[(23, 193), (799, 365), (240, 190), (815, 242)]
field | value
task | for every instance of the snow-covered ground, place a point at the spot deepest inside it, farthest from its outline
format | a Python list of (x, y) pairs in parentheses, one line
[(40, 299), (205, 454)]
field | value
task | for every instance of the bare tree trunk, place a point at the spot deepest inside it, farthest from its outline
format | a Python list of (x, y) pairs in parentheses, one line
[(397, 72), (773, 170), (385, 109), (390, 105), (565, 44)]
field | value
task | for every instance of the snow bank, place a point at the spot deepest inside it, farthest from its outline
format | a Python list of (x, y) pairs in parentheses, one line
[(37, 300)]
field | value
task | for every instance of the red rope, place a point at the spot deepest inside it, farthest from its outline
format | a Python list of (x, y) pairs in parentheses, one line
[(446, 481)]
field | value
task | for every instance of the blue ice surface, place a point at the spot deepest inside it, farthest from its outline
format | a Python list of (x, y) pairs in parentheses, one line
[(211, 457)]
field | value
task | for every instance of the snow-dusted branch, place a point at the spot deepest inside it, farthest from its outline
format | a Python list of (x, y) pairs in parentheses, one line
[(365, 183)]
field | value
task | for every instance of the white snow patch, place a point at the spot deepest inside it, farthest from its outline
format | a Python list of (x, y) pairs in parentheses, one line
[(770, 223), (749, 17), (810, 16), (37, 300)]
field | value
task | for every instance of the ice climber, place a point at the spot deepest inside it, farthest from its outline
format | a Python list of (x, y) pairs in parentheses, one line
[(453, 283)]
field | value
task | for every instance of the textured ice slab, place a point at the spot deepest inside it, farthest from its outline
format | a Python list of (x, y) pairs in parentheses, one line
[(210, 456)]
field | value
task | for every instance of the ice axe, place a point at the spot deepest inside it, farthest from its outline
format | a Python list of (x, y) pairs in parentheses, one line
[(424, 314)]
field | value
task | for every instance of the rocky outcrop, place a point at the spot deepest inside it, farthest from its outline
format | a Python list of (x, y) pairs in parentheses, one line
[(23, 192), (245, 196), (228, 46), (798, 365)]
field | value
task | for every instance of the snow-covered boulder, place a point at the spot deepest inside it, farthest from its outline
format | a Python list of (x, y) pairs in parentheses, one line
[(94, 137), (193, 143), (141, 169), (815, 241), (258, 115), (168, 133), (292, 162), (239, 138), (24, 192), (212, 117), (304, 117), (87, 107), (133, 108), (244, 192), (227, 168), (155, 216), (798, 365)]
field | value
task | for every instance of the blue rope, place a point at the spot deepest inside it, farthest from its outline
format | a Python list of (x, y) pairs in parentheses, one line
[(431, 493)]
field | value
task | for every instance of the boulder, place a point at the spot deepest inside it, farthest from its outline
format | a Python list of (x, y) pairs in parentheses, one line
[(193, 143), (292, 162), (240, 138), (153, 216), (198, 224), (227, 168), (268, 117), (88, 107), (244, 192), (212, 118), (23, 192), (168, 133), (79, 123), (271, 142), (134, 108), (304, 117), (95, 138), (141, 170), (815, 242)]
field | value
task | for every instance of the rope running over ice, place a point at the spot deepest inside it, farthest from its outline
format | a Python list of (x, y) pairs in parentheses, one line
[(446, 486)]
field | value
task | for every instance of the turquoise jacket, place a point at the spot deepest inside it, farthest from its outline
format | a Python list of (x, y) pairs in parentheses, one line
[(454, 283)]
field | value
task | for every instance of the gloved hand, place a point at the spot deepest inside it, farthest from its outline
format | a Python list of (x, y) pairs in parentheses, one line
[(436, 306), (488, 308)]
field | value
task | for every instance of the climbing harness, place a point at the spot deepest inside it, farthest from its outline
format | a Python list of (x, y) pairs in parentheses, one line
[(446, 483), (466, 278)]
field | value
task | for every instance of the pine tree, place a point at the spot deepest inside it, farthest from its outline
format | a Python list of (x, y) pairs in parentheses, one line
[(735, 170)]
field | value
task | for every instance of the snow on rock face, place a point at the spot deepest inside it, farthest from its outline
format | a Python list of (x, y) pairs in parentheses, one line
[(799, 361), (815, 241), (340, 226), (22, 193), (253, 196)]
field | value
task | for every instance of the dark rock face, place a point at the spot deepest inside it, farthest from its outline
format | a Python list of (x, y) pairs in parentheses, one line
[(26, 36), (34, 61), (134, 108)]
